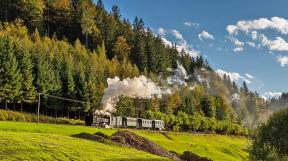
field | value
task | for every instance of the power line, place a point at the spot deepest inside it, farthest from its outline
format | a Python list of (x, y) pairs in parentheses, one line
[(57, 97), (62, 98)]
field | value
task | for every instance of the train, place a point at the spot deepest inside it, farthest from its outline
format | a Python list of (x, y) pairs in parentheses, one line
[(127, 122)]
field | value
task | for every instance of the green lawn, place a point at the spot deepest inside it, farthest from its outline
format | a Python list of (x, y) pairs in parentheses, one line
[(216, 147), (32, 140)]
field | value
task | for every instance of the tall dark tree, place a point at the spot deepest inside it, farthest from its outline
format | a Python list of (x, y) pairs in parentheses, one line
[(32, 13), (208, 106), (116, 13), (10, 76), (26, 67), (100, 4), (138, 51), (245, 88), (87, 12)]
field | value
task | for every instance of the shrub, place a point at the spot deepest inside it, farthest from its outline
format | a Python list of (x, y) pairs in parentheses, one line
[(185, 122), (7, 115), (195, 122), (271, 139)]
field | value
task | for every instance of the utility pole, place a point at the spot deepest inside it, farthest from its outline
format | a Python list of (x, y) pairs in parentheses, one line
[(38, 109), (6, 13), (48, 25)]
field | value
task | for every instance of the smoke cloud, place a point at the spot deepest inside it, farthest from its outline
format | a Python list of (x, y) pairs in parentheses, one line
[(180, 75), (138, 87)]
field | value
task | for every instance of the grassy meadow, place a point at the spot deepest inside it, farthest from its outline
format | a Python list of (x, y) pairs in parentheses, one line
[(50, 141)]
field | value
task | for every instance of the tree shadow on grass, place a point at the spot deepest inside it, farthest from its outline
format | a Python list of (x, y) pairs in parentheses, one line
[(138, 159), (86, 136), (98, 137)]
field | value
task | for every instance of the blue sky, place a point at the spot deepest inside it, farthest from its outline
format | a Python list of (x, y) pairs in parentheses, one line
[(254, 50)]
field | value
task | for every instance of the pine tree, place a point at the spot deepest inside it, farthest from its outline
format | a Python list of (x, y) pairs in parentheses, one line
[(109, 34), (121, 49), (10, 76), (116, 13), (150, 52), (208, 106), (47, 79), (139, 57), (100, 4), (26, 67), (81, 83), (32, 13), (245, 88), (61, 19), (68, 85), (87, 13), (160, 61)]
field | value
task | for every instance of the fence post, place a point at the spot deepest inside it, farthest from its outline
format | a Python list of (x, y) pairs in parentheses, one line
[(38, 109)]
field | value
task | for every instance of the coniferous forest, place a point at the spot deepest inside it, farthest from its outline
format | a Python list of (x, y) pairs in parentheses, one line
[(69, 48)]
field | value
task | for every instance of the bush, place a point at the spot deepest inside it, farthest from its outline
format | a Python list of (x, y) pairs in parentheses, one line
[(7, 115), (195, 122), (185, 122), (271, 140)]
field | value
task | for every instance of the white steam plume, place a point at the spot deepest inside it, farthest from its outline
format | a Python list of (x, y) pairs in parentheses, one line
[(138, 87), (180, 75)]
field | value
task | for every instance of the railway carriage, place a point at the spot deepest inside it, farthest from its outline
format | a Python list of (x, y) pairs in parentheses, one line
[(127, 122)]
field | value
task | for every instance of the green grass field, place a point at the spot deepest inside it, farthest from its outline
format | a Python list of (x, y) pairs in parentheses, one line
[(216, 147), (49, 141)]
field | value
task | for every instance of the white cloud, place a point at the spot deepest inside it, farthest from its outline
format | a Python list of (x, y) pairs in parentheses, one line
[(161, 31), (276, 23), (233, 76), (177, 34), (254, 35), (182, 45), (239, 49), (205, 35), (279, 44), (252, 28), (231, 29), (166, 42), (187, 48), (283, 60), (264, 97), (272, 94), (236, 41), (252, 44), (249, 76), (192, 24), (193, 53)]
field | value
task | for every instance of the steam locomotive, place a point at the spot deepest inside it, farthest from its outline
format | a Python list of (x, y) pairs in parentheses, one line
[(127, 122)]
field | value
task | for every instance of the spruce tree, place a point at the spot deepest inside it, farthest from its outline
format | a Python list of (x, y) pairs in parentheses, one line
[(87, 14), (68, 85), (28, 89), (10, 76)]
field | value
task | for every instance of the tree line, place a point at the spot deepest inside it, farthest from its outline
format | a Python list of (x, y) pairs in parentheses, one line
[(69, 48), (92, 25)]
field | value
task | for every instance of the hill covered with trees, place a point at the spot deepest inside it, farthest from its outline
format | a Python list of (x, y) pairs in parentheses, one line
[(69, 48)]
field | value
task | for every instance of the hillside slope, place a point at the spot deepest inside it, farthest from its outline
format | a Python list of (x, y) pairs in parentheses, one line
[(31, 140)]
